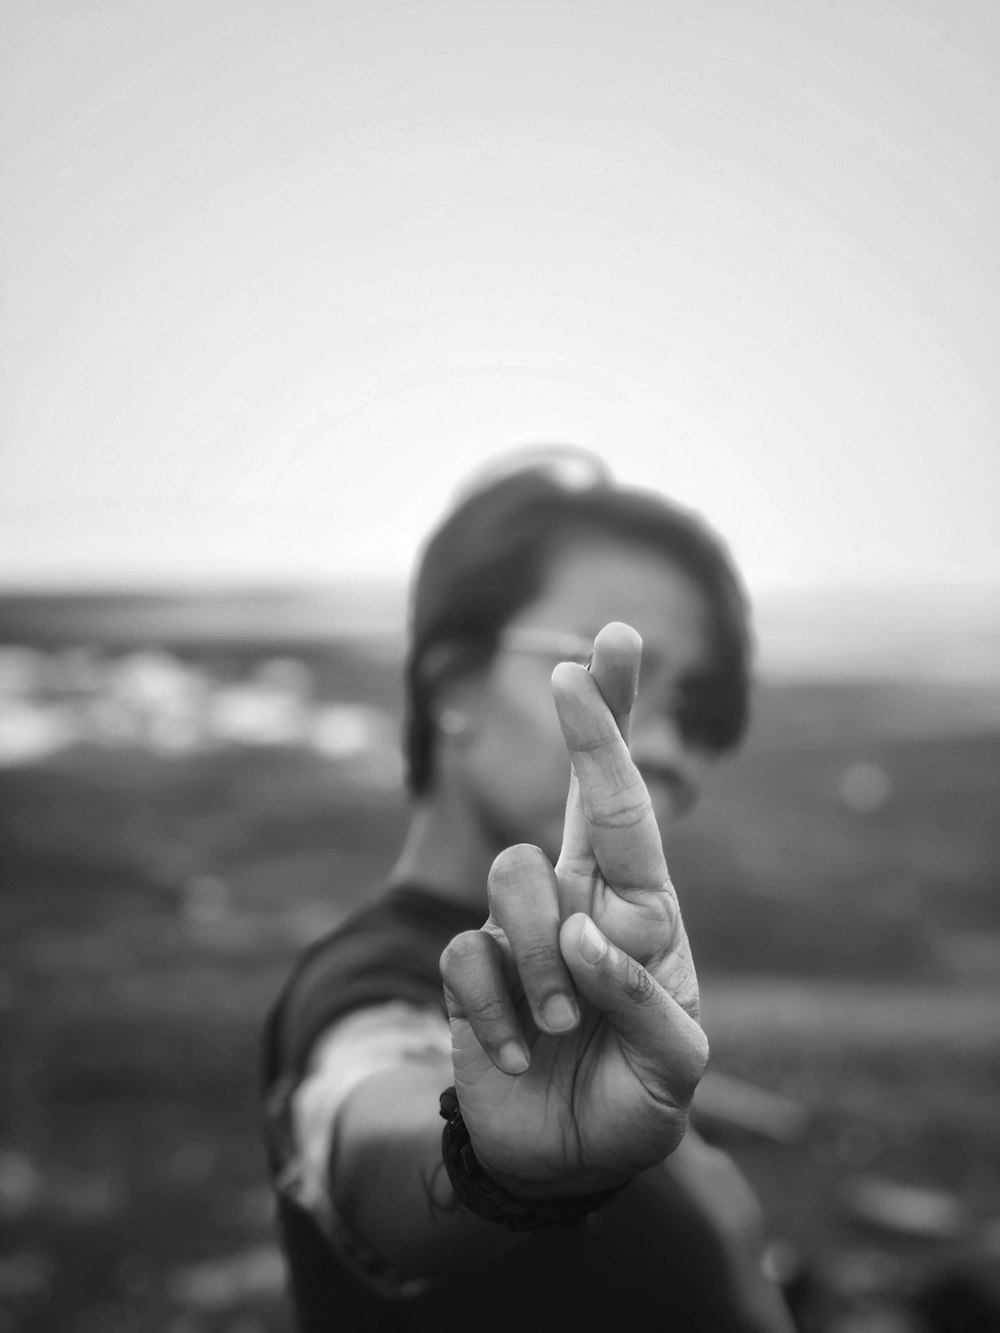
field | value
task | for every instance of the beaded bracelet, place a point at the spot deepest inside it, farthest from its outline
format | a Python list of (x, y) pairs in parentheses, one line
[(486, 1198)]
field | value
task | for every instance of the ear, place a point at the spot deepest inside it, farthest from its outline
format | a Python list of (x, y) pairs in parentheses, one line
[(456, 690), (451, 721), (457, 710)]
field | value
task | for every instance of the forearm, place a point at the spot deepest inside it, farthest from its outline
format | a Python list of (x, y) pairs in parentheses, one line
[(388, 1183), (710, 1184)]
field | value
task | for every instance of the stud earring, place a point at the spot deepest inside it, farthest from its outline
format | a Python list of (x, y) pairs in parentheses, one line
[(452, 722)]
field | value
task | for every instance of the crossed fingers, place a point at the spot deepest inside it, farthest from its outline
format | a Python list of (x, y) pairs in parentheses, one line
[(608, 903), (610, 828)]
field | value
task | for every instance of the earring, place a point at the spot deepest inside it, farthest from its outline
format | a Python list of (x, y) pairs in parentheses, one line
[(452, 722)]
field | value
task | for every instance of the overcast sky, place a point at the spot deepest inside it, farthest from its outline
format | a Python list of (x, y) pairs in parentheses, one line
[(279, 274)]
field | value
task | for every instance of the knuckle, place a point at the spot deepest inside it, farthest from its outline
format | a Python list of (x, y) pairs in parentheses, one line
[(621, 810), (485, 1009), (576, 863), (681, 980), (696, 1061), (595, 743), (702, 1053), (670, 912), (458, 951), (540, 954), (659, 908), (637, 984)]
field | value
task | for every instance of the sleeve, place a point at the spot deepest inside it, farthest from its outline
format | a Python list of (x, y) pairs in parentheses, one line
[(359, 1045), (389, 951), (719, 1192)]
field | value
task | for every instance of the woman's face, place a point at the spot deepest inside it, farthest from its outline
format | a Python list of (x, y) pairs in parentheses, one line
[(511, 768)]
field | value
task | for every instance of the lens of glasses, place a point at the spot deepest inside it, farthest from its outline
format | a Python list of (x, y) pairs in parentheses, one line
[(706, 715), (561, 645)]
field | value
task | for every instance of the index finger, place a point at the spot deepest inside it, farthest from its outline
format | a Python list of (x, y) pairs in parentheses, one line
[(622, 828), (615, 667)]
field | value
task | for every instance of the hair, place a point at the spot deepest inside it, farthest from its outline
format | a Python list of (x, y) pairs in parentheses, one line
[(490, 555)]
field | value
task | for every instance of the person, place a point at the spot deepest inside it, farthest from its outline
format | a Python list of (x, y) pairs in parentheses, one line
[(477, 1085)]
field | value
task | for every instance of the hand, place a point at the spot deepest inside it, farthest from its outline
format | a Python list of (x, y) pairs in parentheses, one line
[(575, 1040)]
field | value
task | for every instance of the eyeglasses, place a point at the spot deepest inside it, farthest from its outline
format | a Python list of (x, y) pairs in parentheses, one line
[(703, 707), (560, 644)]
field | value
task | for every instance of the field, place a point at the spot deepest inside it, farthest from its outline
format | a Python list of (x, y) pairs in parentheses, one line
[(179, 819)]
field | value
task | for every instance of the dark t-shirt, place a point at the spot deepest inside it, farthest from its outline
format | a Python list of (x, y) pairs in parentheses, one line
[(651, 1254)]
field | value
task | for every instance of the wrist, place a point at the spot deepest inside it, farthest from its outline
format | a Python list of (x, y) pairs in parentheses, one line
[(532, 1190), (500, 1198)]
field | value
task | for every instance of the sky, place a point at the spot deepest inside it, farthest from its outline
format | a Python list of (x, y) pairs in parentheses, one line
[(279, 275)]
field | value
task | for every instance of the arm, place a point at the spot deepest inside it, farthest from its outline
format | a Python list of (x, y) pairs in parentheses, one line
[(715, 1188), (366, 1148), (389, 1183), (557, 1102), (371, 1192)]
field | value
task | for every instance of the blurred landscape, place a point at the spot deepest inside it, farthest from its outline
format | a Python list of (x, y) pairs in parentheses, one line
[(196, 785)]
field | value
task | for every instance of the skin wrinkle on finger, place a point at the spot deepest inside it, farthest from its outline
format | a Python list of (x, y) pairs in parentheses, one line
[(668, 1092), (614, 740), (468, 956), (580, 867), (681, 980), (540, 952), (673, 1088), (472, 973), (614, 666), (585, 719), (580, 879), (615, 669), (656, 906), (587, 731), (639, 878), (598, 752), (620, 813), (637, 985), (484, 1009)]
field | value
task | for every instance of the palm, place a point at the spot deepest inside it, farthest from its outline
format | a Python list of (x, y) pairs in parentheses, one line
[(578, 1100)]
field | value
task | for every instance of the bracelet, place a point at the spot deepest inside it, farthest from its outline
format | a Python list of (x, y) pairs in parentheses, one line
[(484, 1197)]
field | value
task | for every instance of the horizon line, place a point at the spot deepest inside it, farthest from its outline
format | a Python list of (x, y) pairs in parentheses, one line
[(237, 584)]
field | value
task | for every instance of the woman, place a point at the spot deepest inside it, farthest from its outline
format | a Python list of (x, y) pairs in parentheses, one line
[(477, 1086)]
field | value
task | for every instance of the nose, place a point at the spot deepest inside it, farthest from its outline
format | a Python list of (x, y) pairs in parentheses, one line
[(673, 773)]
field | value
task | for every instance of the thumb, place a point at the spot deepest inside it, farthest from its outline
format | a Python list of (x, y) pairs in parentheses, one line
[(666, 1048)]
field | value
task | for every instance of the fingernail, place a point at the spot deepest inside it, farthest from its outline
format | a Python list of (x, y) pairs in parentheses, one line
[(593, 945), (559, 1013), (513, 1058)]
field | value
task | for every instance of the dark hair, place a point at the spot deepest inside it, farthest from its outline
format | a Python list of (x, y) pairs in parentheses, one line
[(490, 555)]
